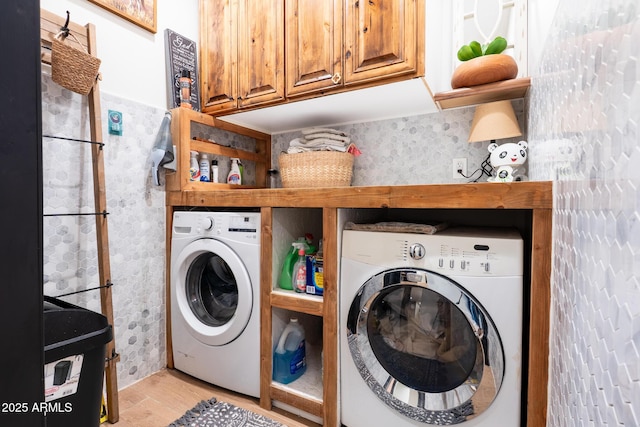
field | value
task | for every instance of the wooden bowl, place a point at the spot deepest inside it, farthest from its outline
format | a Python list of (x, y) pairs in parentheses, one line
[(484, 69)]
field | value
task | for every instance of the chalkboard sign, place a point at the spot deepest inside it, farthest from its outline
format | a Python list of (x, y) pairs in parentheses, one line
[(181, 54)]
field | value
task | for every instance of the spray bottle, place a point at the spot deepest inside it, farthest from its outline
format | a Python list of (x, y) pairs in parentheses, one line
[(300, 273), (194, 167), (286, 275), (234, 174)]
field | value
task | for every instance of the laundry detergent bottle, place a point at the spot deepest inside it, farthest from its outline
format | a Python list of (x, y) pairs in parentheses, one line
[(286, 274), (289, 357)]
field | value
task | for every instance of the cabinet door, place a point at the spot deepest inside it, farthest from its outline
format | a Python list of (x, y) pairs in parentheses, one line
[(382, 39), (314, 45), (260, 52), (218, 54)]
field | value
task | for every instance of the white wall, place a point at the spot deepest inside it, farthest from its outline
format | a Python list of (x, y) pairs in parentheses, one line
[(439, 53), (133, 59), (540, 17)]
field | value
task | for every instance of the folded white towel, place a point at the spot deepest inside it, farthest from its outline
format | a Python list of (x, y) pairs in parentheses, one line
[(325, 141), (302, 149), (325, 135), (310, 131), (319, 139), (318, 143)]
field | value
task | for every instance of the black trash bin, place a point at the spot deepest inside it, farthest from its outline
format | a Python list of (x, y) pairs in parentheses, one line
[(74, 355)]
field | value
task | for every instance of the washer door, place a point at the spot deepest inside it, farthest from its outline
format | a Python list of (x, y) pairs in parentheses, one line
[(425, 346), (213, 291)]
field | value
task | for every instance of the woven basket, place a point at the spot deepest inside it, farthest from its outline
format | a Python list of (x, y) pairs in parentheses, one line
[(316, 169), (72, 68)]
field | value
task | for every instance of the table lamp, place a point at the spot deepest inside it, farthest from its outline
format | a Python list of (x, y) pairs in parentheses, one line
[(494, 120)]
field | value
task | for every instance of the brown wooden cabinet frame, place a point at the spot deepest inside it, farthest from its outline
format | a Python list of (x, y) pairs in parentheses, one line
[(533, 197)]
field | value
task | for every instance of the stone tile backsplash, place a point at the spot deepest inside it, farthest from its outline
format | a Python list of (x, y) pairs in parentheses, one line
[(136, 222), (583, 113), (411, 150)]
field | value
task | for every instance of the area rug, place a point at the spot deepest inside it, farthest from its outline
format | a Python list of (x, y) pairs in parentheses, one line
[(211, 413)]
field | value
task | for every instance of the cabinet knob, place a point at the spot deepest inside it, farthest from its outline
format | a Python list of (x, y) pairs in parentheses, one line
[(336, 78)]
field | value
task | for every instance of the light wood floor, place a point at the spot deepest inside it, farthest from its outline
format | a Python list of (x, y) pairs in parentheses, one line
[(165, 396)]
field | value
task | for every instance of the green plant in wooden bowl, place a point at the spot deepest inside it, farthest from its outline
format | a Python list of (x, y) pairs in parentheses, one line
[(482, 64), (475, 49)]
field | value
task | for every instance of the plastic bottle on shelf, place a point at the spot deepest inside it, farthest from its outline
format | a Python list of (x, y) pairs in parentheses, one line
[(241, 168), (286, 274), (234, 174), (185, 89), (289, 357), (205, 167), (300, 273), (194, 168), (214, 170), (315, 273), (310, 249)]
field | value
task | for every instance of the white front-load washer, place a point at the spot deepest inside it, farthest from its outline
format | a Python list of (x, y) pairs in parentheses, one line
[(431, 328), (215, 298)]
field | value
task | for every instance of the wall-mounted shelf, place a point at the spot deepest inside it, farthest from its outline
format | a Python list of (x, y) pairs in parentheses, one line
[(490, 92), (182, 125)]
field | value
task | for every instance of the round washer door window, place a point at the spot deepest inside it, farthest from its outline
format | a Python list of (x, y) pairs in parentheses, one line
[(213, 292), (425, 346)]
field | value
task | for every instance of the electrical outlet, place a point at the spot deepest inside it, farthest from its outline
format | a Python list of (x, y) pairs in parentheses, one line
[(459, 168)]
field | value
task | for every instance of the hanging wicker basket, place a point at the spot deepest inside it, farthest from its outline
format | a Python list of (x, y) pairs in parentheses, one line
[(316, 169), (72, 68)]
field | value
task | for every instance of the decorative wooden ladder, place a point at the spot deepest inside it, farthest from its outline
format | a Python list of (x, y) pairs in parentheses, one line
[(50, 25)]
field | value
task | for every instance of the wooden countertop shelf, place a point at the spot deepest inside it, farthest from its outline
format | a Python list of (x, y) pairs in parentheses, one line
[(486, 195)]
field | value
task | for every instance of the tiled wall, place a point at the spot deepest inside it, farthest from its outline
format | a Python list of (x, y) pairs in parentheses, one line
[(584, 112), (136, 223), (411, 150)]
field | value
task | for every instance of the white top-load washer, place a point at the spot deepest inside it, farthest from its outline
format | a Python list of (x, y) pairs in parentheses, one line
[(215, 298), (431, 328)]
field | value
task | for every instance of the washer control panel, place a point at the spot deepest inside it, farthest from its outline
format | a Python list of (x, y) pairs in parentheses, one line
[(459, 257), (239, 226), (469, 252)]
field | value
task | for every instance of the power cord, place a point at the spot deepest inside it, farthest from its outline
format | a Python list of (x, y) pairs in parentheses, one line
[(484, 169)]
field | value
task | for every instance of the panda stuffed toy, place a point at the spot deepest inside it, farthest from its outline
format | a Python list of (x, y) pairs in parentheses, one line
[(507, 161)]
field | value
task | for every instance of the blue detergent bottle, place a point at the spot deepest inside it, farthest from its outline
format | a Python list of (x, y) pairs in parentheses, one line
[(289, 358)]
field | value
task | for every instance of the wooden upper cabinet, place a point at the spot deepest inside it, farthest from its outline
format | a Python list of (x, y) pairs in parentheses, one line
[(313, 35), (260, 52), (382, 40), (218, 55), (331, 45), (241, 53)]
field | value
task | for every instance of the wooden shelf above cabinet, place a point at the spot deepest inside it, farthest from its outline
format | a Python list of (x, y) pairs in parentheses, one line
[(490, 92)]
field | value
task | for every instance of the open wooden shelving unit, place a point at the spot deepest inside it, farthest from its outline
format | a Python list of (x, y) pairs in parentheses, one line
[(530, 200), (181, 123)]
